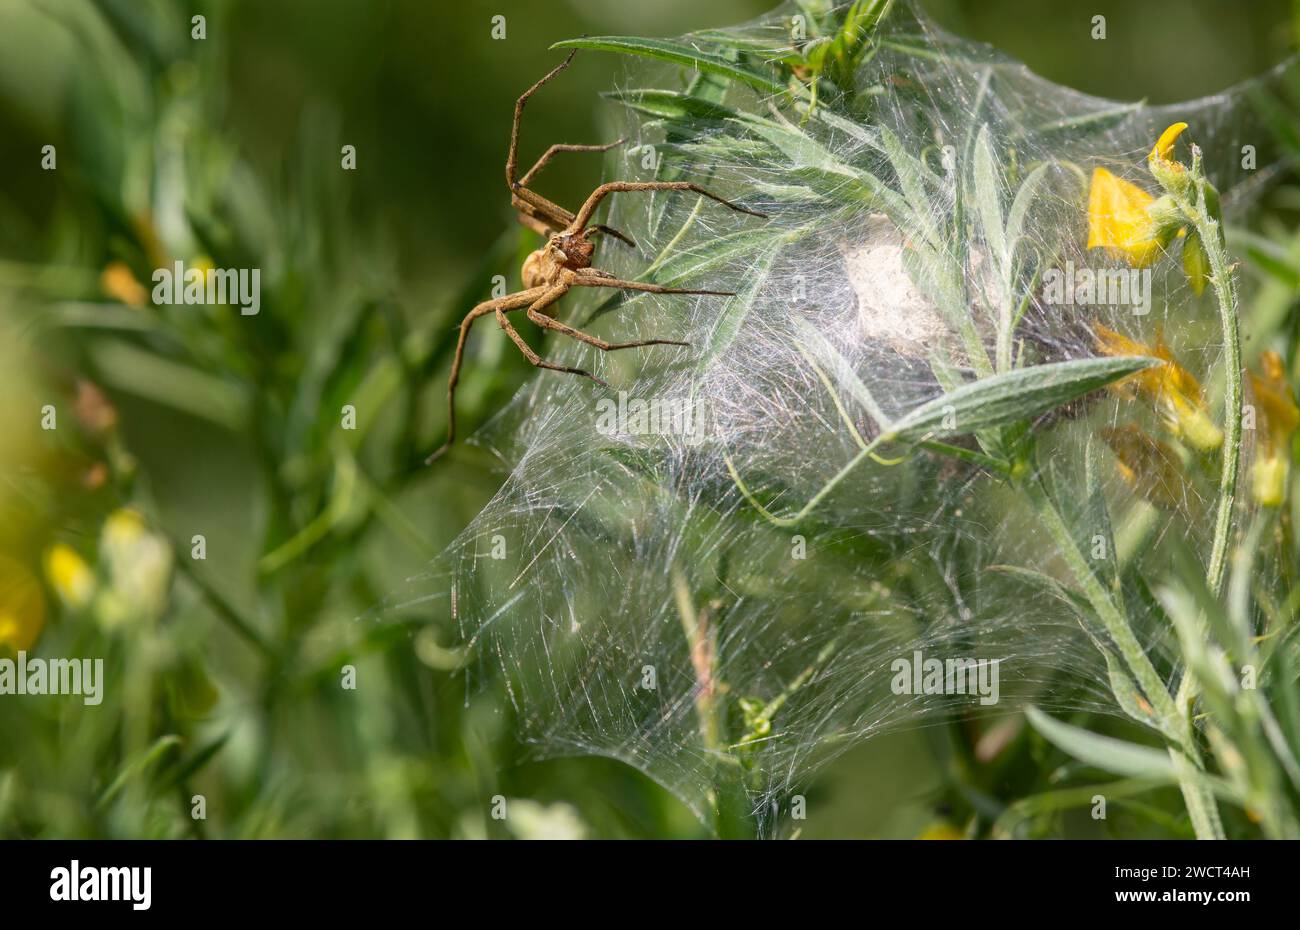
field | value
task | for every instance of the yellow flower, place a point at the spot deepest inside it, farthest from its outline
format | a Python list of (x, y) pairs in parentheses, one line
[(123, 529), (1276, 408), (1149, 466), (22, 606), (1125, 220), (118, 282), (1121, 220), (1171, 387), (1164, 145), (69, 575), (138, 566)]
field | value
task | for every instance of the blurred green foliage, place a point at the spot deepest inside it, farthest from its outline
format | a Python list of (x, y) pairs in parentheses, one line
[(205, 422)]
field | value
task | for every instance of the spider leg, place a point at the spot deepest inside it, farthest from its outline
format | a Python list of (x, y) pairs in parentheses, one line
[(535, 224), (546, 218), (615, 187), (547, 322), (563, 147), (535, 205), (548, 298), (610, 231), (544, 212), (591, 278), (508, 302), (513, 156)]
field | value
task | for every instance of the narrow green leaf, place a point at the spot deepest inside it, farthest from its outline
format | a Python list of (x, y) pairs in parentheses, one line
[(670, 104), (186, 768), (681, 268), (736, 310), (762, 48), (1052, 586), (1116, 756), (686, 265), (138, 765), (1085, 510), (988, 197), (679, 54), (911, 175), (841, 370), (1096, 120), (1020, 206), (171, 383), (1013, 396), (1126, 693)]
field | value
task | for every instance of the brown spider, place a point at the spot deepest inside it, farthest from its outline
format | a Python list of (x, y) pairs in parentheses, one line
[(564, 261)]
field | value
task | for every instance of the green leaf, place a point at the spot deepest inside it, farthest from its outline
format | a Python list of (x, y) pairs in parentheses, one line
[(841, 370), (1116, 756), (1084, 509), (684, 266), (171, 383), (1096, 120), (988, 198), (1126, 693), (763, 48), (1013, 396), (1052, 586), (912, 175), (137, 765), (187, 768), (736, 310), (1020, 206), (679, 54), (670, 104)]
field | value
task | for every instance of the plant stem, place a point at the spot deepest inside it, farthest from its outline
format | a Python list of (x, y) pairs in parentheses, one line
[(1111, 618), (1226, 295), (1175, 724)]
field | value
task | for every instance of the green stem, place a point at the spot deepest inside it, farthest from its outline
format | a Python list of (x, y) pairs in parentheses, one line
[(1225, 294), (1174, 723), (1111, 618)]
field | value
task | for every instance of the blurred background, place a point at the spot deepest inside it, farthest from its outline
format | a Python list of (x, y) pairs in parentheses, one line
[(184, 431)]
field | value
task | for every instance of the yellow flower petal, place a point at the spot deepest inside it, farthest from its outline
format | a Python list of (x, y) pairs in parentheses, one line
[(1170, 386), (1275, 400), (1278, 418), (1119, 220), (1149, 466), (123, 528), (69, 575), (1165, 144), (137, 567), (118, 282)]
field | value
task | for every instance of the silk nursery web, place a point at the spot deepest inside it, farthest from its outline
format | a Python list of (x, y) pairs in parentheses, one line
[(811, 526)]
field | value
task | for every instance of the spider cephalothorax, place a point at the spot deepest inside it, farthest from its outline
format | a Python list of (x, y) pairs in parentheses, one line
[(564, 262), (546, 265)]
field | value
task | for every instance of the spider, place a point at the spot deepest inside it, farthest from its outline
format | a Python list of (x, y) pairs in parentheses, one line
[(565, 261)]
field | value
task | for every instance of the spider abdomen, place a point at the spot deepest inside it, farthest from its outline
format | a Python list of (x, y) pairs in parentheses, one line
[(538, 270)]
